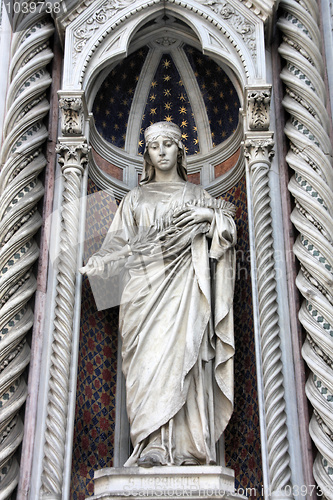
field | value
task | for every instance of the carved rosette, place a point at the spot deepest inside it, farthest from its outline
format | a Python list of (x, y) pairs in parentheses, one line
[(73, 158), (72, 118), (310, 156), (258, 151), (22, 162)]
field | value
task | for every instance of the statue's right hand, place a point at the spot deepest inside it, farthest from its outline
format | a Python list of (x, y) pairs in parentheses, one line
[(95, 265)]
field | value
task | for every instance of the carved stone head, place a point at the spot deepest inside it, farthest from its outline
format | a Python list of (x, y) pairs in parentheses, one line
[(170, 131)]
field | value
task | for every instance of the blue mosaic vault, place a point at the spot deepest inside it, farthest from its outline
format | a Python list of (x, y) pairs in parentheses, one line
[(167, 98)]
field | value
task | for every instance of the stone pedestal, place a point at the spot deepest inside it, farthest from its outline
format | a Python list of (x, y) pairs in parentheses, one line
[(197, 482)]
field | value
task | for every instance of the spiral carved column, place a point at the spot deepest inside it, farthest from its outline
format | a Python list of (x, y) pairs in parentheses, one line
[(73, 158), (310, 156), (22, 161), (258, 150)]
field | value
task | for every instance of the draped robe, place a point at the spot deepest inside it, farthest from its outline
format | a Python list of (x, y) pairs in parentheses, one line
[(176, 320)]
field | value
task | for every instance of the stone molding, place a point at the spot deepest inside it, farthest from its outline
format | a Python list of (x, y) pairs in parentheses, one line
[(22, 162), (173, 482), (310, 157), (99, 17), (94, 32), (73, 158), (261, 9), (258, 151), (234, 17)]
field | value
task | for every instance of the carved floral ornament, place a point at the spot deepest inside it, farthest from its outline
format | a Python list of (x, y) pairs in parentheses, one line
[(110, 8), (71, 115), (99, 17), (259, 152), (258, 103), (73, 156), (241, 25)]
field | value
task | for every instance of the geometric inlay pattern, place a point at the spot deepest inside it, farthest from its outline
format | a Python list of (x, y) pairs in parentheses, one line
[(242, 436)]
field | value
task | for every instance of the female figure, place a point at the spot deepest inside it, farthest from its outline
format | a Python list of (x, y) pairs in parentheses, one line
[(176, 318)]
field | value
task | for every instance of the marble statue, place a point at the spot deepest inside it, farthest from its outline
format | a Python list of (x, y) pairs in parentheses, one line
[(175, 246)]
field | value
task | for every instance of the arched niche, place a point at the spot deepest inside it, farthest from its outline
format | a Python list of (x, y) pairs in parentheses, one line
[(155, 27), (162, 39), (165, 36), (105, 34), (96, 39)]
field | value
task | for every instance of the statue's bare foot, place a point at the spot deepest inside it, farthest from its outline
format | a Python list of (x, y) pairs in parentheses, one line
[(151, 460), (190, 461)]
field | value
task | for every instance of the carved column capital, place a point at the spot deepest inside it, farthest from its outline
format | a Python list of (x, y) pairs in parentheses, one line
[(72, 113), (73, 156), (258, 101), (259, 150)]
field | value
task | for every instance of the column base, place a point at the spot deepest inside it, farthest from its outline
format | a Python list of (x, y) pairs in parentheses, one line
[(195, 482)]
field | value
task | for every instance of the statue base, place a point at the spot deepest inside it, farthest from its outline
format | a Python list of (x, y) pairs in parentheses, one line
[(195, 482)]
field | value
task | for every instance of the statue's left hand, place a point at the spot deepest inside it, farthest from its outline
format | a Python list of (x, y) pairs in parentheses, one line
[(192, 214)]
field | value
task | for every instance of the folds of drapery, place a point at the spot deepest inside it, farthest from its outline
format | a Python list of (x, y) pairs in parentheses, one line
[(175, 312)]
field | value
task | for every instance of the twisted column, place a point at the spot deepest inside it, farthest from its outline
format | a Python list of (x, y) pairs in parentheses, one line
[(310, 157), (259, 152), (22, 161), (73, 158)]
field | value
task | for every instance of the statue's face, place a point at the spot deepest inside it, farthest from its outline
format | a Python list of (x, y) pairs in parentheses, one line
[(163, 153)]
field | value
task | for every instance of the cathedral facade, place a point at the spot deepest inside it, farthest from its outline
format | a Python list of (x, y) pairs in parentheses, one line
[(250, 84)]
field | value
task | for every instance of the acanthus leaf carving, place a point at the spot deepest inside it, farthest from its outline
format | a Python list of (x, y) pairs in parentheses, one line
[(258, 105), (73, 156), (71, 115), (259, 151)]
